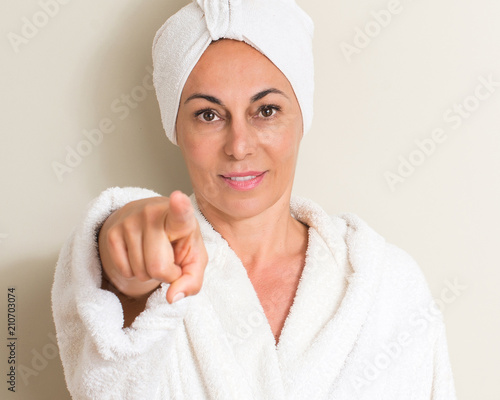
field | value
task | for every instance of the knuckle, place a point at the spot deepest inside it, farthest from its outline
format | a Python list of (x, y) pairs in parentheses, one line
[(156, 269), (130, 226), (142, 276), (124, 271), (151, 212), (113, 238)]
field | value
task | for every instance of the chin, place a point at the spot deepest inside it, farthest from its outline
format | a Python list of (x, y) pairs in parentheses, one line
[(240, 204), (245, 206)]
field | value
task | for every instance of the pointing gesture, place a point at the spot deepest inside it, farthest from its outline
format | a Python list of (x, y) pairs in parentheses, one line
[(154, 240)]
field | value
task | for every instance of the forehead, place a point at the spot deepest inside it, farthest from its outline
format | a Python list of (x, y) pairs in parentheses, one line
[(231, 48), (229, 62)]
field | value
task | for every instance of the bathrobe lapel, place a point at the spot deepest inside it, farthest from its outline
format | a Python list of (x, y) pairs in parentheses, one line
[(240, 328), (313, 346), (310, 374)]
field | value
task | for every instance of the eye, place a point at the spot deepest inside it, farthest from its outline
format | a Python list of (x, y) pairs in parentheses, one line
[(207, 115), (268, 111)]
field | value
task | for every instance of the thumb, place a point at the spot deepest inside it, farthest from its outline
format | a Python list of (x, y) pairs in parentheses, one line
[(180, 220)]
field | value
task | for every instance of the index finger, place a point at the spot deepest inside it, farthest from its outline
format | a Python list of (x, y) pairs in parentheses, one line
[(180, 221), (193, 269)]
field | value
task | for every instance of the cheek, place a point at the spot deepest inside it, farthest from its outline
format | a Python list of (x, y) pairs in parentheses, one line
[(199, 155), (201, 161), (285, 144), (196, 157), (191, 150)]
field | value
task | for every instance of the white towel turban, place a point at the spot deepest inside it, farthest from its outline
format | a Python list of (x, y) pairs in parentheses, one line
[(279, 29)]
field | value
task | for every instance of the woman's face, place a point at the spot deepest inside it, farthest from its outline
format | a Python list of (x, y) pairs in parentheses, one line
[(239, 127)]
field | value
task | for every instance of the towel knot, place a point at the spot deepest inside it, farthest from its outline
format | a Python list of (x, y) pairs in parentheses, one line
[(222, 17)]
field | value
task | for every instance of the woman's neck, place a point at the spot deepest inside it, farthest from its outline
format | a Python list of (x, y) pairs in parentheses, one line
[(269, 238)]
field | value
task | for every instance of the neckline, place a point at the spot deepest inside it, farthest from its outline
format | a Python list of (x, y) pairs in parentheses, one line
[(213, 237), (298, 290)]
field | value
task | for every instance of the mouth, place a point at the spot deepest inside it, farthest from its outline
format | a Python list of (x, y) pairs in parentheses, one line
[(242, 178), (244, 181)]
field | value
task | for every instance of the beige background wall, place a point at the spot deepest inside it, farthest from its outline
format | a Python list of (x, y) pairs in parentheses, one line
[(420, 78)]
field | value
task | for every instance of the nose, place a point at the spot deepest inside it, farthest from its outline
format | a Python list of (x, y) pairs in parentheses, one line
[(241, 139)]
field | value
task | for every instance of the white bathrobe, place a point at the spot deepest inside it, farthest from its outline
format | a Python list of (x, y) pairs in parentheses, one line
[(362, 325)]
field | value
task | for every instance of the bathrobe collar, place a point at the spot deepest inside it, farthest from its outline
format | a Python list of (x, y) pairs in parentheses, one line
[(315, 342)]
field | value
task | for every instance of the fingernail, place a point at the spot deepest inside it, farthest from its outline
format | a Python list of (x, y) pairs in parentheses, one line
[(178, 297)]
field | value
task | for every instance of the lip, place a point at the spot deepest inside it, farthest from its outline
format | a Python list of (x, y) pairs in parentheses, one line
[(244, 185)]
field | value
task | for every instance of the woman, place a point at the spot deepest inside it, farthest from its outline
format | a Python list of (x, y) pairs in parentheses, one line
[(266, 296)]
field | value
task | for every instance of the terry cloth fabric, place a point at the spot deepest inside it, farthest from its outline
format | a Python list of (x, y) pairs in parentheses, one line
[(279, 29), (359, 327)]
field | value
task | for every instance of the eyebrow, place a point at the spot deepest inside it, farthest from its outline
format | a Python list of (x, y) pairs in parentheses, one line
[(254, 98), (264, 93), (211, 99)]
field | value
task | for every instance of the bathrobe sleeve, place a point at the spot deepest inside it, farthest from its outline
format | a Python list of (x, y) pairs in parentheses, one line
[(442, 386), (426, 327), (420, 316), (101, 360)]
